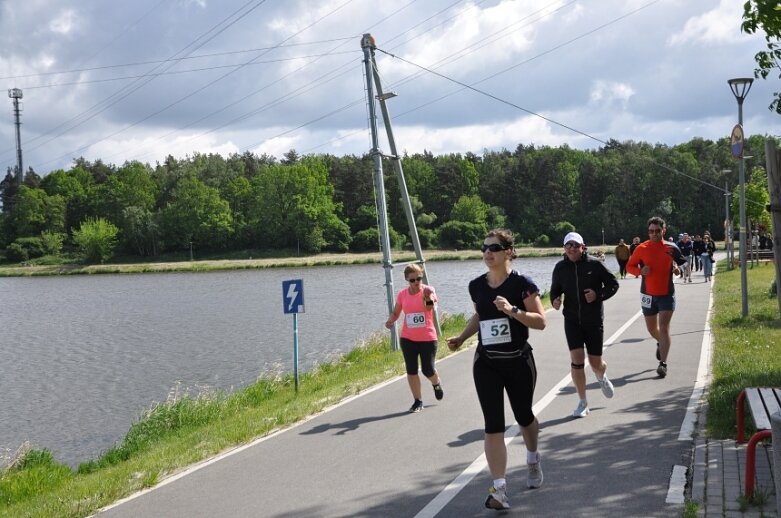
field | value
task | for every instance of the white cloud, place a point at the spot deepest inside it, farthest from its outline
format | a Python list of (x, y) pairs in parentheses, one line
[(64, 23), (714, 26), (607, 91)]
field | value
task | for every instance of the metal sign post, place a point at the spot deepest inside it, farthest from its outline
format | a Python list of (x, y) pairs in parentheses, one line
[(293, 302)]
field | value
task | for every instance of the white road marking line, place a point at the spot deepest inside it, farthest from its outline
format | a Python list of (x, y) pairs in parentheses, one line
[(677, 484), (703, 378)]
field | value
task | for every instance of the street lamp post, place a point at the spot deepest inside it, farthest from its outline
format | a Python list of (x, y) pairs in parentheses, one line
[(740, 87), (603, 237)]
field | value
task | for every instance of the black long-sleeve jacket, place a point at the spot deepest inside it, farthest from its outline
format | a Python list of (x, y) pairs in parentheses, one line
[(573, 278)]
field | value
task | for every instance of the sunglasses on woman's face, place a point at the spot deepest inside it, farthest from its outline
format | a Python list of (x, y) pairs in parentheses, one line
[(493, 247), (414, 279)]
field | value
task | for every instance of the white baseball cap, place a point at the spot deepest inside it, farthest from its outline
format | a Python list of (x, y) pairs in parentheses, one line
[(573, 236)]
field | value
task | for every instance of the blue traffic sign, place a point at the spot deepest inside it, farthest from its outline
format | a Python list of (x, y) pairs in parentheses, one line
[(293, 296)]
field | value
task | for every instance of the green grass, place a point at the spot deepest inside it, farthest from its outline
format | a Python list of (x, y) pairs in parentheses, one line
[(192, 427), (747, 350)]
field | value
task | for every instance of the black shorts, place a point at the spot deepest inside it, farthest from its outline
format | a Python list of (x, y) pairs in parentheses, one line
[(589, 335)]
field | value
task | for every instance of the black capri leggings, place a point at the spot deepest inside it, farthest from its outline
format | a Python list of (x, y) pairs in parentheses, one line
[(427, 351), (517, 376)]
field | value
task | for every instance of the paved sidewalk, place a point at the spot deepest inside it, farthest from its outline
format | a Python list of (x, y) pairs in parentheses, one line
[(718, 480)]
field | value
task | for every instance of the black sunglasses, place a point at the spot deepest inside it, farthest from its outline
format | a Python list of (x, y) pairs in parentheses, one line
[(415, 279), (654, 230), (494, 247)]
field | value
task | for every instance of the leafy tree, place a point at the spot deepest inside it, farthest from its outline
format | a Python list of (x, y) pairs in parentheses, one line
[(293, 206), (196, 214), (765, 15), (25, 248), (8, 190), (291, 157), (74, 186), (470, 209), (366, 240), (97, 238), (140, 230), (461, 235), (131, 185), (35, 211), (52, 242)]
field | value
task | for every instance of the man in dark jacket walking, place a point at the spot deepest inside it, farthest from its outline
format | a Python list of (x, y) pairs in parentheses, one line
[(585, 283)]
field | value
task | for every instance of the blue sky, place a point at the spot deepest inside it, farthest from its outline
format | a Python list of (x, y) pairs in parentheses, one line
[(140, 80)]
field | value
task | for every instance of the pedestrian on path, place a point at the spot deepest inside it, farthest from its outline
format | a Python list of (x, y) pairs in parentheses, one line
[(507, 304), (707, 257), (585, 283), (418, 333), (622, 254), (657, 260)]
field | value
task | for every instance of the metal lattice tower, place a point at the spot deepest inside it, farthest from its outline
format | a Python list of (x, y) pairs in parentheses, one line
[(16, 94)]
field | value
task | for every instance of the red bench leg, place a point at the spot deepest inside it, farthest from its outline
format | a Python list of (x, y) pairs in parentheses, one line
[(739, 416), (751, 459)]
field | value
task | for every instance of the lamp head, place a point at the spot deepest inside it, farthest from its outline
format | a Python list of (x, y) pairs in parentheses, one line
[(740, 87)]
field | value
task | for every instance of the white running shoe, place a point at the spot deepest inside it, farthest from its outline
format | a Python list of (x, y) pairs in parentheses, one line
[(497, 498), (534, 474), (606, 386), (582, 410)]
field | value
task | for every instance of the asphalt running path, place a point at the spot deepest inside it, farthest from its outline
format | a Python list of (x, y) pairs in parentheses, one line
[(369, 457)]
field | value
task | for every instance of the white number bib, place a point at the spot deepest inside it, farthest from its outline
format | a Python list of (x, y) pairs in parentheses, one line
[(496, 331), (416, 320), (645, 300)]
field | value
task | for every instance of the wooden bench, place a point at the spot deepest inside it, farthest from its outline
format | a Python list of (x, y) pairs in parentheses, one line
[(762, 403)]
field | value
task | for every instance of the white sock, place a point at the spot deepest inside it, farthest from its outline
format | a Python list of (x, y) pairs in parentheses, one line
[(532, 457), (500, 482)]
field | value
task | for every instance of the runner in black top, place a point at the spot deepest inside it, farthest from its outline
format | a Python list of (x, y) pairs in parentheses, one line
[(507, 304), (582, 283)]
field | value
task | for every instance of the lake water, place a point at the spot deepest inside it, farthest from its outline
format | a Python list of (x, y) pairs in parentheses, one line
[(82, 357)]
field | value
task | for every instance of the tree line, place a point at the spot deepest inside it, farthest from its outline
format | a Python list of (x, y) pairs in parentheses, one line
[(317, 203)]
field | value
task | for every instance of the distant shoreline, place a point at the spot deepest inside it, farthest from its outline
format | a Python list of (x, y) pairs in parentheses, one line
[(249, 264)]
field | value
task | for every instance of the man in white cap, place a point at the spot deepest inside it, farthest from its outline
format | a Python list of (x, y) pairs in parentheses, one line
[(585, 282)]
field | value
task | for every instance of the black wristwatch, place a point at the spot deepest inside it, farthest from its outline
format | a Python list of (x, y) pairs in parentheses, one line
[(515, 310)]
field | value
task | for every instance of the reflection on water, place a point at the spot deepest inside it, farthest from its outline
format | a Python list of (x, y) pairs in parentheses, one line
[(84, 356)]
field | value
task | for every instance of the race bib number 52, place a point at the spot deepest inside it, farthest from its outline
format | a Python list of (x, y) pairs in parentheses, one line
[(496, 331)]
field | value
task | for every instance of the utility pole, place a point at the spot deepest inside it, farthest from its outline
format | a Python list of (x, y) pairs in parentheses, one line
[(373, 82), (16, 94), (368, 46)]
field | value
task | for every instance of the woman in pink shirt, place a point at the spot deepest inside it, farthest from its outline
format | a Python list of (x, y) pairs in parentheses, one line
[(418, 334)]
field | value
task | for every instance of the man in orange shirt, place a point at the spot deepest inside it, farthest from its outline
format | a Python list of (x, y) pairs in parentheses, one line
[(657, 260)]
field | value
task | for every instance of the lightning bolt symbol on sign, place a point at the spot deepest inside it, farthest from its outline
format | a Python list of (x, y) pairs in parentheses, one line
[(292, 295)]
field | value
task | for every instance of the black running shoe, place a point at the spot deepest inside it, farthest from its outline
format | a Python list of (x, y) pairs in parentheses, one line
[(438, 393), (658, 353), (661, 370), (417, 406)]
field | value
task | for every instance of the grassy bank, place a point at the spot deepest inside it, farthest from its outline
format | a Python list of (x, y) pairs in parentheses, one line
[(255, 263), (747, 350), (190, 428)]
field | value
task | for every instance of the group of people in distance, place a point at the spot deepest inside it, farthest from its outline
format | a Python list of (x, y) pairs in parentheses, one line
[(507, 305)]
